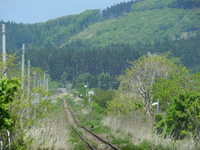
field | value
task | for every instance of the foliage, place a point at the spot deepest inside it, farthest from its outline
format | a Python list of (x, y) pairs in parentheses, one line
[(77, 61), (8, 93), (102, 97), (145, 145), (147, 26), (92, 119), (160, 4), (90, 44), (117, 10), (85, 79), (165, 91), (182, 117), (6, 66), (51, 33), (123, 103), (64, 79), (146, 71), (105, 82)]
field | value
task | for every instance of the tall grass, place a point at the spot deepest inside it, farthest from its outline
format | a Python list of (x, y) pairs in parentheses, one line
[(140, 126), (51, 133)]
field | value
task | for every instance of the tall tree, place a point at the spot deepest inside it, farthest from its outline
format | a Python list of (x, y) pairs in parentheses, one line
[(146, 71)]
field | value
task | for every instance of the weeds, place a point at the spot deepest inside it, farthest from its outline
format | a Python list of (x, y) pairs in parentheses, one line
[(140, 127), (51, 132)]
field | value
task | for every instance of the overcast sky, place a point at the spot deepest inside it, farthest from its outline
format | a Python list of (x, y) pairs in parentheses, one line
[(32, 11)]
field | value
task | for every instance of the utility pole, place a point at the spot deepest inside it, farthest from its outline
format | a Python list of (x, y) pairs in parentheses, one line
[(1, 143), (38, 83), (23, 66), (47, 84), (44, 81), (9, 140), (22, 77), (29, 78), (35, 77), (41, 81), (4, 49)]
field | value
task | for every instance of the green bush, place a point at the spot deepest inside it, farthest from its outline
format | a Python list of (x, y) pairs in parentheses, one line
[(8, 93), (101, 97), (182, 117)]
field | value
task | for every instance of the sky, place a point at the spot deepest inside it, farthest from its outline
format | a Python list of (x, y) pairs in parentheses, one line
[(33, 11)]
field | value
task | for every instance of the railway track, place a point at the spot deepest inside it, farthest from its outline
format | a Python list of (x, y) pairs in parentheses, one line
[(85, 134)]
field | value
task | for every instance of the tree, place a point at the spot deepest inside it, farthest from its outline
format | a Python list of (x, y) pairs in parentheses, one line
[(64, 79), (166, 90), (106, 81), (182, 117), (101, 97), (85, 79), (146, 71), (7, 65), (8, 92)]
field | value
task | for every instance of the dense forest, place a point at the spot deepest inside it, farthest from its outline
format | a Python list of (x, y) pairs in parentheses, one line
[(112, 59)]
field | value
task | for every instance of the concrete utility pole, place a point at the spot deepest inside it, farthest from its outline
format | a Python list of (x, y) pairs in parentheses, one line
[(47, 84), (35, 80), (38, 83), (4, 48), (23, 66), (41, 81), (44, 81), (29, 78), (9, 140), (1, 143)]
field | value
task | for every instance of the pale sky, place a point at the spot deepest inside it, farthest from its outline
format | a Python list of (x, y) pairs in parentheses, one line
[(32, 11)]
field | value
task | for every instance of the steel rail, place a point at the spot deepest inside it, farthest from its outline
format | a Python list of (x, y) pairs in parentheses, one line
[(90, 132)]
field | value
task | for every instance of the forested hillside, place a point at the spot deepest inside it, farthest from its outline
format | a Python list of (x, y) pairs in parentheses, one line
[(52, 33), (92, 41)]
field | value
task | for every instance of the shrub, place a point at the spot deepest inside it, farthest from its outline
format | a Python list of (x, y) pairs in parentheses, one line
[(182, 117)]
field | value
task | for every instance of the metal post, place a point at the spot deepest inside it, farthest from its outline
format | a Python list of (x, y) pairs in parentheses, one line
[(29, 78), (4, 48), (157, 106)]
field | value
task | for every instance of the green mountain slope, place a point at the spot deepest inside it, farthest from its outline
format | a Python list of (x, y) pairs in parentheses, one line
[(98, 41), (149, 21), (51, 33), (143, 21)]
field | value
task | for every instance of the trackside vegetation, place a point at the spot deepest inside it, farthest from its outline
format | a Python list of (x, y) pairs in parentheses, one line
[(153, 78)]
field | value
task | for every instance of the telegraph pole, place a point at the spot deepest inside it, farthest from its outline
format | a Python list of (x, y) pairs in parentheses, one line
[(23, 66), (29, 78), (4, 49), (44, 80), (35, 77), (47, 84)]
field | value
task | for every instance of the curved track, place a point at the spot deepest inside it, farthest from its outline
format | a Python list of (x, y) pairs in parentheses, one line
[(87, 135)]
